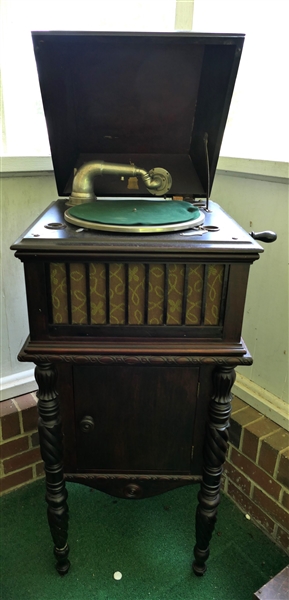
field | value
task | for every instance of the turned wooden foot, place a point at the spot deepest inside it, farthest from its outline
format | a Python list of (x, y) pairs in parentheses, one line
[(215, 448), (50, 437)]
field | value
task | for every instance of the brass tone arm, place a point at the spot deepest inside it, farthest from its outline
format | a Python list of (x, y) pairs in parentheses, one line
[(158, 181)]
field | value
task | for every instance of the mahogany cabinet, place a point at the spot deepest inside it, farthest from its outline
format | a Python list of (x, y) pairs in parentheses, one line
[(135, 334), (144, 335)]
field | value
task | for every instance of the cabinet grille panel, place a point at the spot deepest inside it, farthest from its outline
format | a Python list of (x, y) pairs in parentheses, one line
[(155, 294)]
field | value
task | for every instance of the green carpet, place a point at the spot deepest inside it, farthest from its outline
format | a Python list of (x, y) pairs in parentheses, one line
[(150, 542)]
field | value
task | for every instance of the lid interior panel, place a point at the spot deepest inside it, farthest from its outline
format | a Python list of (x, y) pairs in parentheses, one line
[(136, 95)]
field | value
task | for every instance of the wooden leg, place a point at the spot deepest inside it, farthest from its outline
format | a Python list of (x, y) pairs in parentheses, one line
[(216, 444), (50, 437)]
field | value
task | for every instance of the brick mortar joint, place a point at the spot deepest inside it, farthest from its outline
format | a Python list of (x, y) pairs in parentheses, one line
[(261, 438), (253, 483), (19, 415), (272, 500), (19, 485), (30, 466), (19, 436)]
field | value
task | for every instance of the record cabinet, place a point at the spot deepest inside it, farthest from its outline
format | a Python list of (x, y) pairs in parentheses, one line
[(135, 320)]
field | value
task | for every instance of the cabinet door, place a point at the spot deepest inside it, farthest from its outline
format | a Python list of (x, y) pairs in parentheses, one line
[(141, 418)]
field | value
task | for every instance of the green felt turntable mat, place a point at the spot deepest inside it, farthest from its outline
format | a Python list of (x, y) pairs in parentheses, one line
[(135, 212)]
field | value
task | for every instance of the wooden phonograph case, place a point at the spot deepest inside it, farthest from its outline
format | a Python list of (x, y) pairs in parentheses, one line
[(135, 281)]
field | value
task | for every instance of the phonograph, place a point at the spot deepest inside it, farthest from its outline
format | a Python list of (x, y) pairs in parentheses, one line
[(135, 280)]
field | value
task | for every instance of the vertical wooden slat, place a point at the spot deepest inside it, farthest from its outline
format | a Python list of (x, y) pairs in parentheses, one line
[(49, 292), (146, 295), (107, 293), (126, 293), (87, 285), (204, 295), (166, 285), (185, 294), (224, 294), (68, 287)]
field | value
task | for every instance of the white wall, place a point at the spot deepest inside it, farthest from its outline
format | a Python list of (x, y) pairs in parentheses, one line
[(261, 202), (22, 198)]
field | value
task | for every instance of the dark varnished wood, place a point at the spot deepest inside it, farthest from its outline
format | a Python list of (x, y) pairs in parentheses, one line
[(276, 588), (143, 418), (132, 486), (230, 242), (144, 409), (50, 437), (215, 448)]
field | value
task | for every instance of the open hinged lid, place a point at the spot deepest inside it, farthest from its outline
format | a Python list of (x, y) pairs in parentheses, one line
[(145, 99)]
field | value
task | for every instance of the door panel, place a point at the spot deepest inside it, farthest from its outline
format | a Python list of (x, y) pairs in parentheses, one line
[(141, 418)]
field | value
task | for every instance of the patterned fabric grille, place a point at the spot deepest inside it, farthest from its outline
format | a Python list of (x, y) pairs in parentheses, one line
[(214, 294), (122, 294), (175, 294), (78, 293), (156, 294), (194, 294), (117, 294), (97, 287), (58, 293), (136, 295)]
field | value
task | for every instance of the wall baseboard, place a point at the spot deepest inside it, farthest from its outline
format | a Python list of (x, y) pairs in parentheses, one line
[(17, 384), (266, 403)]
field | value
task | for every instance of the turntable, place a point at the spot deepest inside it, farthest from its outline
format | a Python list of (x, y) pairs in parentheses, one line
[(135, 280)]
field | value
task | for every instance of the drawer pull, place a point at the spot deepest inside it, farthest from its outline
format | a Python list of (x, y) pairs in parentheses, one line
[(87, 424), (133, 491)]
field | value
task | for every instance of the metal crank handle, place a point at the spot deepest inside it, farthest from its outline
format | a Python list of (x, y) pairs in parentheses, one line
[(264, 236)]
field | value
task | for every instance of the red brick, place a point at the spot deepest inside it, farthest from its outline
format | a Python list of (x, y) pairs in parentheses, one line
[(250, 443), (235, 431), (28, 406), (253, 433), (267, 458), (249, 507), (252, 471), (237, 477), (7, 407), (271, 446), (9, 419), (246, 416), (26, 401), (35, 439), (283, 468), (237, 404), (282, 538), (21, 460), (30, 419), (279, 514), (14, 447), (285, 500), (40, 469), (11, 481)]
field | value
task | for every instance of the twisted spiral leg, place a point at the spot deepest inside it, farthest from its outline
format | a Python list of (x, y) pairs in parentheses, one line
[(215, 448), (50, 437)]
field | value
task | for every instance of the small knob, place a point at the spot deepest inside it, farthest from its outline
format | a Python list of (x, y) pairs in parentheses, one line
[(133, 491), (264, 236), (87, 424)]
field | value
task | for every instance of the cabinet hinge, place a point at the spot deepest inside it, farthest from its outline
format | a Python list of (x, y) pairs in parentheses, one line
[(198, 389), (192, 452)]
